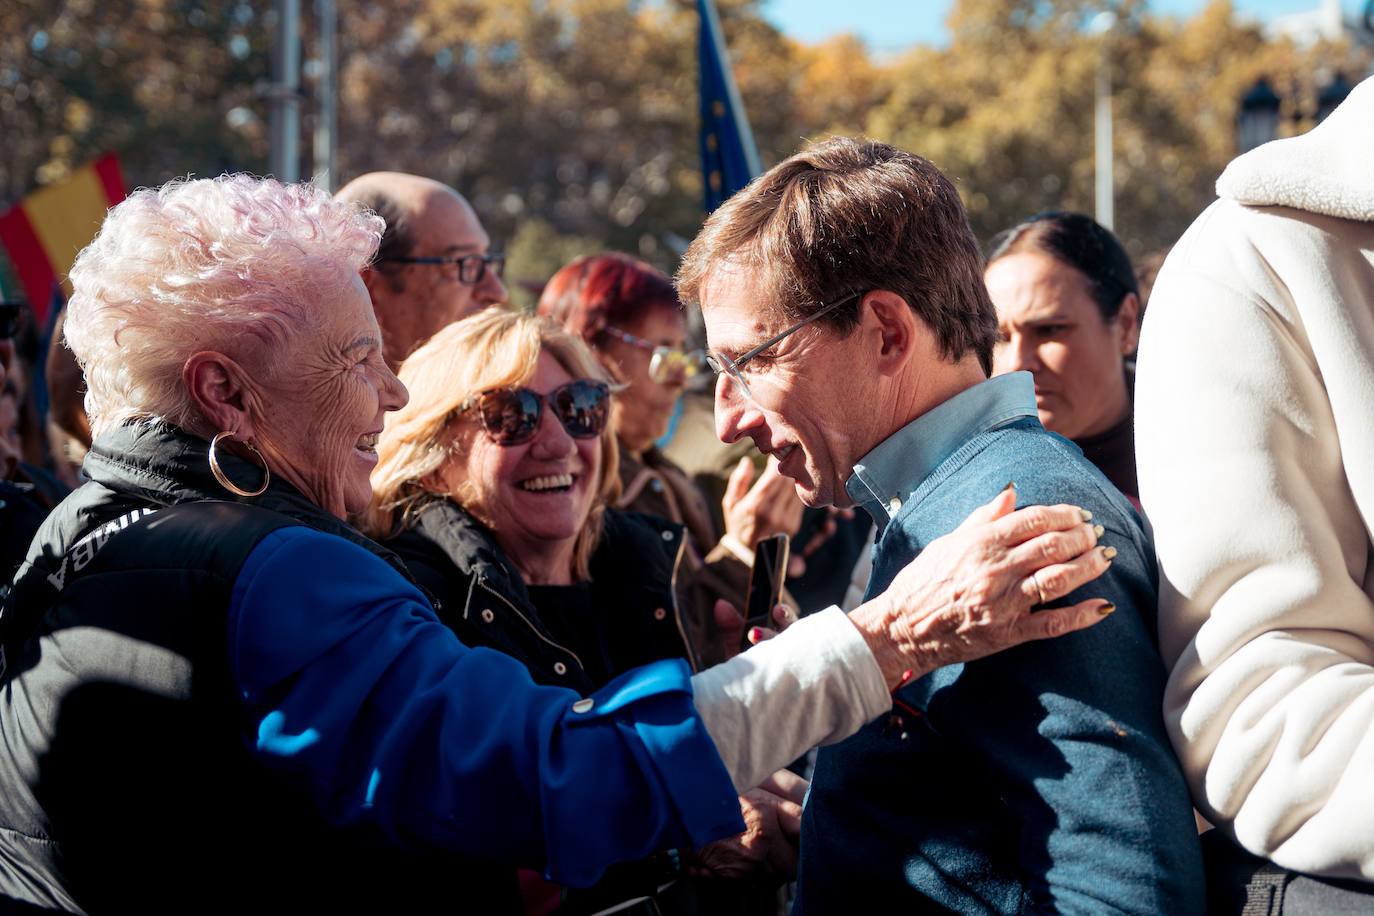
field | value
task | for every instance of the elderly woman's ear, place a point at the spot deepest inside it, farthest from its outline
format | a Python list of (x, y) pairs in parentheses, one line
[(218, 387)]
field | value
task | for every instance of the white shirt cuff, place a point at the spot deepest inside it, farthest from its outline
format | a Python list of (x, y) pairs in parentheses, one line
[(737, 548), (814, 683)]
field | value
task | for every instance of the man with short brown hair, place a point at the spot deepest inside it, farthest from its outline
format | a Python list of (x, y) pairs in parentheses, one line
[(824, 223), (844, 304), (435, 265)]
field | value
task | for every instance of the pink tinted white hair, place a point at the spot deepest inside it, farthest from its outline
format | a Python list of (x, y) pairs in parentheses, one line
[(234, 264)]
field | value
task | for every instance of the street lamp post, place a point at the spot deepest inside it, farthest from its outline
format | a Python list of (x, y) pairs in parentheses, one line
[(286, 93), (1332, 94), (1104, 196), (327, 88), (1258, 121)]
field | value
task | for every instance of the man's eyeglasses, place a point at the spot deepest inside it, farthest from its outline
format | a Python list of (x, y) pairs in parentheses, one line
[(666, 364), (511, 416), (471, 267), (720, 363), (11, 316)]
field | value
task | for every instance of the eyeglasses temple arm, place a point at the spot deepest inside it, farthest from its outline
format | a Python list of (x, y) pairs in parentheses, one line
[(792, 330)]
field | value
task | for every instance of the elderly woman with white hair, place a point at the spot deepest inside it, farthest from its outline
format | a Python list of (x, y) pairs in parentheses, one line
[(216, 693)]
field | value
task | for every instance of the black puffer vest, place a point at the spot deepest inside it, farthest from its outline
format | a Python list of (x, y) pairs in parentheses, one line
[(126, 785), (635, 587)]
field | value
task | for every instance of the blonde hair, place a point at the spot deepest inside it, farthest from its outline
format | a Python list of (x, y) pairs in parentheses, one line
[(495, 348)]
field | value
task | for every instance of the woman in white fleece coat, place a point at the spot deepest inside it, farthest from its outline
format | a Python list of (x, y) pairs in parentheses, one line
[(1255, 441)]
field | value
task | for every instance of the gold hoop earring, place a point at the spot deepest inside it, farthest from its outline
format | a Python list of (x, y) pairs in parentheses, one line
[(223, 478)]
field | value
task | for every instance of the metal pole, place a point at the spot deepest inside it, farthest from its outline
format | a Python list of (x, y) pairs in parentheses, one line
[(286, 95), (326, 114), (1103, 141)]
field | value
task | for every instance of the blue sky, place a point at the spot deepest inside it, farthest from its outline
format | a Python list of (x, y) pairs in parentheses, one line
[(893, 24)]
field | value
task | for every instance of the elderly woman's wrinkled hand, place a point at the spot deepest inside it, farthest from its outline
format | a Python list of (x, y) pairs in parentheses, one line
[(767, 849), (975, 591)]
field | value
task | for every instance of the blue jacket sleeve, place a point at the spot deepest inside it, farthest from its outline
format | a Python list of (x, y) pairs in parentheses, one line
[(359, 693), (1072, 730)]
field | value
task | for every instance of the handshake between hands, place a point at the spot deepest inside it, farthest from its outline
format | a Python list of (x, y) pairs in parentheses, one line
[(767, 850)]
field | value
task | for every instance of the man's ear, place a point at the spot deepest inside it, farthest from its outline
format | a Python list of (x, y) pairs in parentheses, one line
[(892, 327), (216, 385), (1128, 320), (374, 280)]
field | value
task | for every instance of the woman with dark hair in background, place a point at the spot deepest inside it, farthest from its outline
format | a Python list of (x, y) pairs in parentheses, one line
[(1069, 311), (629, 314)]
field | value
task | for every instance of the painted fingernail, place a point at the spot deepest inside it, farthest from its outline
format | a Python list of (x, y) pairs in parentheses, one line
[(1011, 485), (755, 634), (1099, 530), (1087, 516), (1109, 552), (1106, 609)]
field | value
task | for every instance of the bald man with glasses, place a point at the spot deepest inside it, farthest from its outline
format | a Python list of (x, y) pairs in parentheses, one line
[(435, 265)]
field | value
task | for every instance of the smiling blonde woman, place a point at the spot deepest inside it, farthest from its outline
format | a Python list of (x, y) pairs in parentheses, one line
[(492, 485)]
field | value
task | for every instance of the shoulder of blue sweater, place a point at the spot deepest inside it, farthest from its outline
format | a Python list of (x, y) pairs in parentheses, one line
[(1046, 468)]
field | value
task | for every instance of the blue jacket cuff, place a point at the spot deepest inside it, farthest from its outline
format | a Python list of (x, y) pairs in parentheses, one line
[(655, 701)]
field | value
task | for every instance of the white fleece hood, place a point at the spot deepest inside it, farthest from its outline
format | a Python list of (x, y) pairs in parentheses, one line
[(1329, 170), (1255, 452)]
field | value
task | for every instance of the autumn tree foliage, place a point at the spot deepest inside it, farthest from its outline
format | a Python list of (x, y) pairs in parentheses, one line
[(571, 124)]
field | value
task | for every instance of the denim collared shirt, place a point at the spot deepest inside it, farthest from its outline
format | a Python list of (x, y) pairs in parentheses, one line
[(1036, 780), (883, 478)]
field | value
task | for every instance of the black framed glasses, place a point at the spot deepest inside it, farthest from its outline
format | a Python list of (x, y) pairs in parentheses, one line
[(471, 267), (511, 416), (720, 363), (11, 318), (666, 364)]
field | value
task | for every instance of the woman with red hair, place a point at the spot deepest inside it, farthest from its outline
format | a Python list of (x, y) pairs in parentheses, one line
[(629, 314)]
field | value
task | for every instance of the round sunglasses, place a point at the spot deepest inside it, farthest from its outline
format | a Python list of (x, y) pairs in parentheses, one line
[(511, 416), (666, 364)]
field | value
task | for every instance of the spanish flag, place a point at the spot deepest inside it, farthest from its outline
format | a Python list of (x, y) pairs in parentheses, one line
[(44, 232)]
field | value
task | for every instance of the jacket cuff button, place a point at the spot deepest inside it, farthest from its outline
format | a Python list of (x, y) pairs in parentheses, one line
[(660, 613), (487, 615), (560, 669)]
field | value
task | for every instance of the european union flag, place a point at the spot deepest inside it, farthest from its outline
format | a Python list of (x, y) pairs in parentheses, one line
[(729, 158)]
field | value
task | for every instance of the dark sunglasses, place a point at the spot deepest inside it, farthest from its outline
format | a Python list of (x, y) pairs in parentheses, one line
[(511, 415)]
